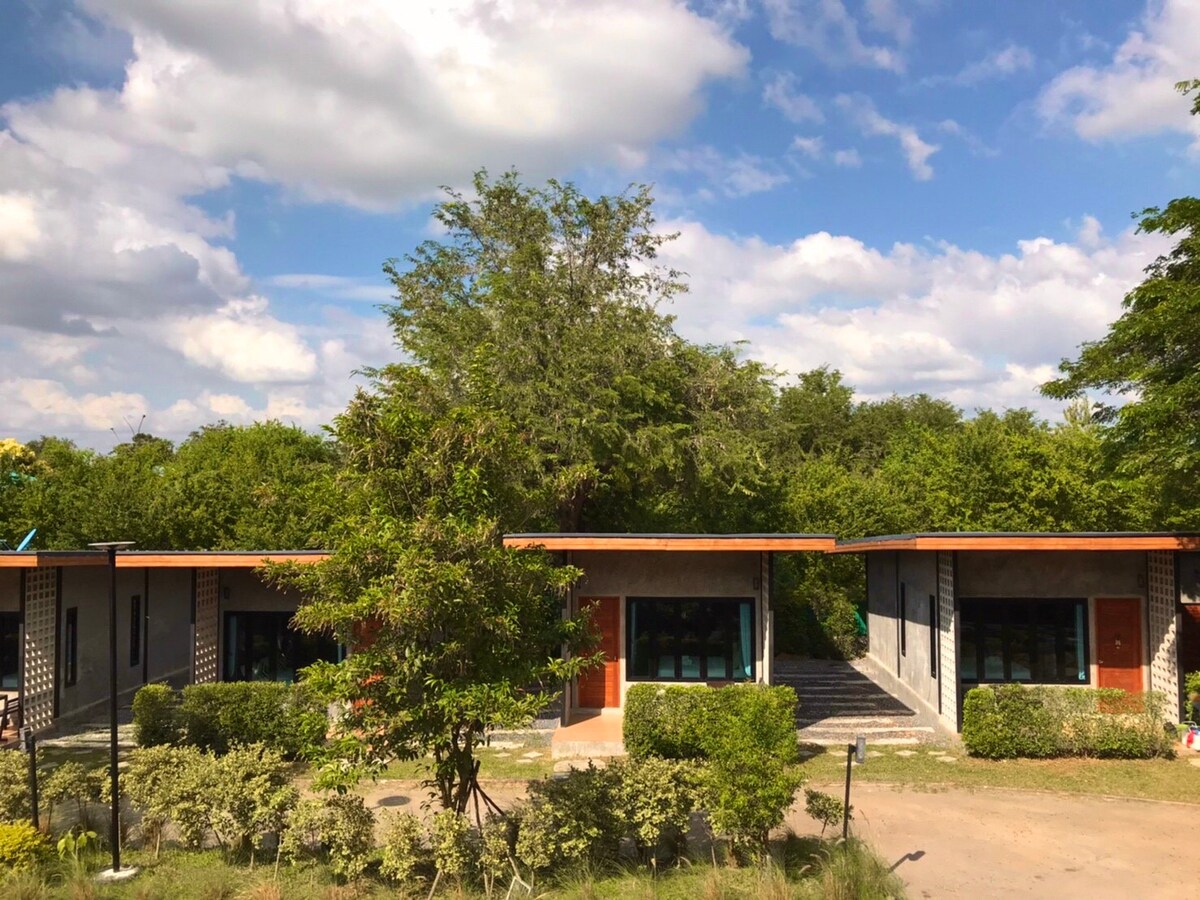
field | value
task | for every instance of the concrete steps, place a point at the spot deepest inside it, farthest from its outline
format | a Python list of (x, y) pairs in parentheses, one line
[(839, 701)]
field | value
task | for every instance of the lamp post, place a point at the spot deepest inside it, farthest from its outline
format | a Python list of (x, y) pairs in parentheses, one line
[(111, 547)]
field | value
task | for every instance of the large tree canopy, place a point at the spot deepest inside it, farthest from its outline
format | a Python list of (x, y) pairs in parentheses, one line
[(1150, 359)]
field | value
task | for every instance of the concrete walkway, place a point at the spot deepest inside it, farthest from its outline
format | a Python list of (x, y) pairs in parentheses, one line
[(997, 843)]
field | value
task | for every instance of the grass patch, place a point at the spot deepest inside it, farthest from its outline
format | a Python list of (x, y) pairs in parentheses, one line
[(801, 868), (494, 765), (1147, 779)]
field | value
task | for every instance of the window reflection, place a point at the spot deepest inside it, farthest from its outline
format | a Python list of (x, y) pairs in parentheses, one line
[(690, 639)]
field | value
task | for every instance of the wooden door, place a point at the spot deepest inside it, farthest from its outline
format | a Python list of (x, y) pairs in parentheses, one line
[(1119, 643), (601, 687)]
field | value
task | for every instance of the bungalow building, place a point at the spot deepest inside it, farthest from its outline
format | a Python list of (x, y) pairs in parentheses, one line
[(671, 608), (182, 617), (947, 612)]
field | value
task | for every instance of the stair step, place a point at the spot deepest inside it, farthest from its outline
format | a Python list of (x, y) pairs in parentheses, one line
[(834, 740)]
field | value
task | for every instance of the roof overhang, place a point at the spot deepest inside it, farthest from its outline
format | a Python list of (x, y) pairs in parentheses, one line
[(1039, 541), (709, 543), (151, 559)]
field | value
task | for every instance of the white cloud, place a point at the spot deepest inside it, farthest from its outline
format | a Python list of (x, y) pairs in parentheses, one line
[(781, 94), (1134, 93), (847, 159), (1008, 60), (868, 119), (809, 146), (121, 295), (731, 176), (886, 17), (978, 329), (827, 29), (372, 103)]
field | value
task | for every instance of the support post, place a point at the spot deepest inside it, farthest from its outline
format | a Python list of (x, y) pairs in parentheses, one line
[(846, 804), (115, 821), (31, 749)]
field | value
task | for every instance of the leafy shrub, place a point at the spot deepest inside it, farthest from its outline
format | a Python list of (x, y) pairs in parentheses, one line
[(1011, 721), (666, 720), (338, 827), (14, 787), (1191, 689), (404, 852), (254, 794), (655, 798), (288, 718), (71, 782), (496, 845), (825, 808), (455, 846), (156, 715), (172, 784), (571, 819), (23, 847)]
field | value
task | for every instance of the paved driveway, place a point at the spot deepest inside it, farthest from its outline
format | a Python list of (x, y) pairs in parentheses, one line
[(995, 843)]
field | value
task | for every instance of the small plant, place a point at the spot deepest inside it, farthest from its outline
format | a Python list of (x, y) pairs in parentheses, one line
[(14, 787), (338, 827), (404, 852), (571, 819), (23, 847), (654, 800), (826, 809), (455, 847), (71, 782), (76, 846)]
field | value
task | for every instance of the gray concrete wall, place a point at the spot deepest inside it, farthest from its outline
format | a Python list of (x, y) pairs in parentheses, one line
[(10, 590), (169, 642), (241, 590), (667, 574), (918, 575), (1051, 574), (881, 609), (87, 589)]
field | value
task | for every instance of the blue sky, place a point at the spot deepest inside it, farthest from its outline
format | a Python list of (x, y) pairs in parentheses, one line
[(196, 198)]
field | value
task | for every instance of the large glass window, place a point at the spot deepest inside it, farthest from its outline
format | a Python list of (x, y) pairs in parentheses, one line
[(1034, 641), (260, 646), (686, 639), (10, 650)]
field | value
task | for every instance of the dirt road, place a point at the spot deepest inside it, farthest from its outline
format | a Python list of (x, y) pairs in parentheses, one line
[(995, 843)]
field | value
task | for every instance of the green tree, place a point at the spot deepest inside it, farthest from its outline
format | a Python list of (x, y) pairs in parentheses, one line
[(454, 634), (544, 303), (1150, 359)]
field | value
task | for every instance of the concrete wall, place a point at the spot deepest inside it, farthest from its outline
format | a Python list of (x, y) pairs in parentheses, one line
[(87, 590), (243, 591), (169, 641), (1051, 574), (676, 574), (918, 573)]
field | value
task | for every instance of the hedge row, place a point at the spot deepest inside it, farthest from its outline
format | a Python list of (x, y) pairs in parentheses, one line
[(1011, 721), (287, 718), (683, 722)]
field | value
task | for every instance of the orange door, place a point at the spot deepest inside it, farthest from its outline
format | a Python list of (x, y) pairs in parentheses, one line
[(601, 686), (1119, 643)]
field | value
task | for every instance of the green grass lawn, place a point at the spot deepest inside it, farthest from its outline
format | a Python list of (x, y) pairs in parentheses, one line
[(811, 870), (1153, 779), (494, 765)]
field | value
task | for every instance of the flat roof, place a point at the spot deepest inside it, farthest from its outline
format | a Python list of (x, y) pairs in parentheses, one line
[(670, 542), (159, 559), (1045, 541)]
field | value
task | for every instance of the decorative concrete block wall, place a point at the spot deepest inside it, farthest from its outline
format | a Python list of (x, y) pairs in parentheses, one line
[(948, 657), (41, 633), (205, 662), (1164, 651)]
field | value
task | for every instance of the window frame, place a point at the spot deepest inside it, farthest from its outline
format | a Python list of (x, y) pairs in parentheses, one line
[(1006, 605), (903, 619), (934, 632), (12, 622), (71, 647), (703, 678)]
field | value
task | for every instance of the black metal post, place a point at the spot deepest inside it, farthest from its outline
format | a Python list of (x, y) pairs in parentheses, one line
[(850, 748), (31, 749), (115, 825)]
